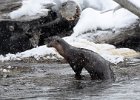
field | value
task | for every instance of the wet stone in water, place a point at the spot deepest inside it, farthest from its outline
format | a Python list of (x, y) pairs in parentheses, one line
[(7, 70)]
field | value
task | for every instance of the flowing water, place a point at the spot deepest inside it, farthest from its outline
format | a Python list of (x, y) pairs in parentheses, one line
[(41, 81)]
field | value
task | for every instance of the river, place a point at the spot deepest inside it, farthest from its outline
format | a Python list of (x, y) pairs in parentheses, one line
[(42, 81)]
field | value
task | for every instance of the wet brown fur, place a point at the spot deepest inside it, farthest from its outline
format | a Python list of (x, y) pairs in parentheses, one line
[(80, 58)]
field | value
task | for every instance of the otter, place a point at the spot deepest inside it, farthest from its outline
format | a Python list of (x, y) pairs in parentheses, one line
[(79, 58)]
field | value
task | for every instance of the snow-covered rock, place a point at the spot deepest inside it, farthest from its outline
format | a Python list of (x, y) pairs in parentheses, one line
[(31, 8), (91, 20)]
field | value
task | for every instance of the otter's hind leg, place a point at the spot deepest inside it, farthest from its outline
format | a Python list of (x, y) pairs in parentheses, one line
[(93, 76)]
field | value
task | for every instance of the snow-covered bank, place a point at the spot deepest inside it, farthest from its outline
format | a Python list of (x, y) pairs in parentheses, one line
[(37, 53), (109, 52), (91, 20)]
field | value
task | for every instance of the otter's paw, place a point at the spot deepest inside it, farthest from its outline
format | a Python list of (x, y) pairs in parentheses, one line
[(78, 77)]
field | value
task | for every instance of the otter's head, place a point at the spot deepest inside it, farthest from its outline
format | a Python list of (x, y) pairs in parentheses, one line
[(57, 43), (54, 41)]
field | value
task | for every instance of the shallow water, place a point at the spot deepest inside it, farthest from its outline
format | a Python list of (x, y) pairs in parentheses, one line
[(40, 81)]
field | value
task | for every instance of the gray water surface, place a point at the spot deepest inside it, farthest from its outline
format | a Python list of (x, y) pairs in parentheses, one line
[(41, 81)]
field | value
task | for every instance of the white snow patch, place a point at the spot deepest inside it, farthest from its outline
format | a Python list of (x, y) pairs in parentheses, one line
[(9, 67), (5, 71), (124, 18), (97, 4), (31, 8), (136, 3), (37, 53), (91, 20)]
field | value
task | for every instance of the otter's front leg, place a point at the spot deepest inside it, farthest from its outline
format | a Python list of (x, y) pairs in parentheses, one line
[(77, 70), (78, 74)]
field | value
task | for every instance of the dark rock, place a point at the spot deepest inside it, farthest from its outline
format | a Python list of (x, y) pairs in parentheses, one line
[(7, 6), (25, 33), (131, 41), (13, 39)]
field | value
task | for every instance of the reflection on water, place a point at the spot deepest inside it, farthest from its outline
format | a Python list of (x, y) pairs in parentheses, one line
[(57, 82)]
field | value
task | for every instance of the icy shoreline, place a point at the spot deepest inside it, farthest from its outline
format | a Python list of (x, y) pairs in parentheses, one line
[(109, 20), (109, 52)]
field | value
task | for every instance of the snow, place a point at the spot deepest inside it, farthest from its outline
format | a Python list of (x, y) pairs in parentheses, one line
[(37, 53), (31, 8), (97, 4), (91, 19), (5, 71), (135, 2), (124, 18)]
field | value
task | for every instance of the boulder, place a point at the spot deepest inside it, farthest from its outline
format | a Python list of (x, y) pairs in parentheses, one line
[(24, 33)]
